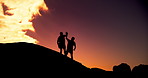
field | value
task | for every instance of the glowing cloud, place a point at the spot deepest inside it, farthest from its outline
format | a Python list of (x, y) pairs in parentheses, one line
[(16, 17)]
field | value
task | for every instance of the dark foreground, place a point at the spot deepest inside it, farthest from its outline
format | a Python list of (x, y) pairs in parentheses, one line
[(30, 60)]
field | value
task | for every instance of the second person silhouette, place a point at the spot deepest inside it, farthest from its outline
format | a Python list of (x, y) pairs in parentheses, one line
[(71, 45)]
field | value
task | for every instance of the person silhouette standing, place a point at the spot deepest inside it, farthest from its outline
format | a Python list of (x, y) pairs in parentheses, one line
[(71, 46), (61, 42)]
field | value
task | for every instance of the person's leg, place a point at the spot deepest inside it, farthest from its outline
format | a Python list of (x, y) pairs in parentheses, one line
[(65, 53), (60, 50), (71, 53)]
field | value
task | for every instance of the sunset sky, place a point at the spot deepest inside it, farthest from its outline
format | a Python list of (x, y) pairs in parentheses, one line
[(107, 32)]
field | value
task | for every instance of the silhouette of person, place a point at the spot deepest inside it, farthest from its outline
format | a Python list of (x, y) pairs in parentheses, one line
[(61, 42), (71, 46)]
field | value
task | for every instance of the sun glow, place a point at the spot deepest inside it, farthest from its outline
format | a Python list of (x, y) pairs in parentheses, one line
[(16, 17)]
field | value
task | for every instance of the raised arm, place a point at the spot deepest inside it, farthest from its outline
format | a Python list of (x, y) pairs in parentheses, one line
[(67, 36)]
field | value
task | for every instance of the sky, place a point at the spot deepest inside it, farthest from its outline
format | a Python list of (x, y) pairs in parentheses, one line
[(107, 32)]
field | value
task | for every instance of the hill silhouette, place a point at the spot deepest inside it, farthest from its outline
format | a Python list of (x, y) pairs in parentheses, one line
[(26, 59), (123, 67)]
